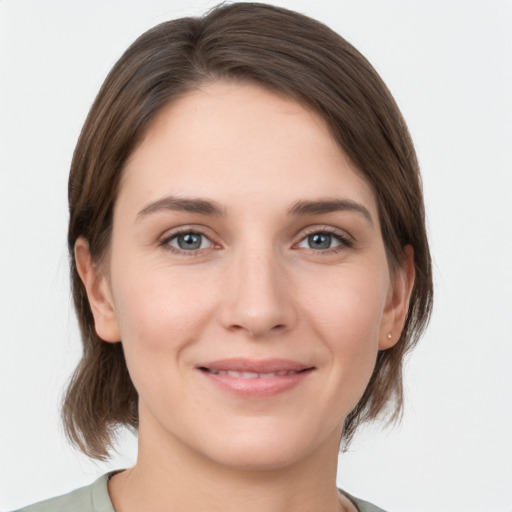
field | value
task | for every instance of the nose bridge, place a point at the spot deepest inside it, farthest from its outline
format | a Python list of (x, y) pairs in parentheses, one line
[(257, 298)]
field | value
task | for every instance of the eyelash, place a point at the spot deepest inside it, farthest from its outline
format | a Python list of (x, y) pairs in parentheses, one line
[(345, 241), (165, 242)]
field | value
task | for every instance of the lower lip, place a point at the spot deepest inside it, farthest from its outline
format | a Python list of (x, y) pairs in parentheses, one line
[(260, 387)]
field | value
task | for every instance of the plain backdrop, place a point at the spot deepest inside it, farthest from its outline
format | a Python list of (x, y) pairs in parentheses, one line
[(448, 64)]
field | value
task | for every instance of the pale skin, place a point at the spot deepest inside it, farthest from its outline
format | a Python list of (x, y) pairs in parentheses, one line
[(242, 231)]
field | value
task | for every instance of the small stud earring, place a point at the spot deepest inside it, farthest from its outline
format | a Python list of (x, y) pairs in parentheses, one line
[(389, 335)]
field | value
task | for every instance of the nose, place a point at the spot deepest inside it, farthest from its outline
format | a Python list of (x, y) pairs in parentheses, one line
[(257, 298)]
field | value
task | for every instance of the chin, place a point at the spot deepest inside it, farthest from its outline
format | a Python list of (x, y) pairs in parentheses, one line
[(270, 449), (258, 458)]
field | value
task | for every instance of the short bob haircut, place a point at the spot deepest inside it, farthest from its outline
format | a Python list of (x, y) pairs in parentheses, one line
[(291, 55)]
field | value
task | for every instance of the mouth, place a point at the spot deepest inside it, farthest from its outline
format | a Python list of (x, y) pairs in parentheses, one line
[(255, 378), (251, 375)]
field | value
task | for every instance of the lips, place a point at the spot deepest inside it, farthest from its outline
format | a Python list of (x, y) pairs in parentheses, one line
[(254, 366), (250, 375), (255, 378)]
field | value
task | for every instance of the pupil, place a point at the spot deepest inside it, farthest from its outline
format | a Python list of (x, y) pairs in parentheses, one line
[(189, 241), (319, 241)]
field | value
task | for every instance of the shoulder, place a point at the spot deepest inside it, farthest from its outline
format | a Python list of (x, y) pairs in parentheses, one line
[(362, 506), (91, 498)]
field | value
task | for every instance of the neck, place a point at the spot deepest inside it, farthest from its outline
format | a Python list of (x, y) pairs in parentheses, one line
[(170, 476)]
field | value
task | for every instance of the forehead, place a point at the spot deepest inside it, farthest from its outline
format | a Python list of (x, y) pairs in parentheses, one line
[(228, 141)]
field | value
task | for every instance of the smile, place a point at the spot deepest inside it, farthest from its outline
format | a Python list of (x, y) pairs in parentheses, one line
[(256, 379), (251, 375)]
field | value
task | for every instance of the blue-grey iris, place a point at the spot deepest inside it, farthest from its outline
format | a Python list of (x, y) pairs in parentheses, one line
[(320, 241), (189, 241)]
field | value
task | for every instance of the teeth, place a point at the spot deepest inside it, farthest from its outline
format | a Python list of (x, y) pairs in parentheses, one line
[(243, 375), (252, 375)]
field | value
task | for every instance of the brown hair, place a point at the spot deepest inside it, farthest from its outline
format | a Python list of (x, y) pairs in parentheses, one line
[(288, 53)]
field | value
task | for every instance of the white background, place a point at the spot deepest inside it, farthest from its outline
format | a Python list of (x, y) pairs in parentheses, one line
[(448, 63)]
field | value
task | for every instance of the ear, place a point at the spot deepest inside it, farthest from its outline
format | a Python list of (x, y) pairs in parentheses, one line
[(397, 303), (98, 291)]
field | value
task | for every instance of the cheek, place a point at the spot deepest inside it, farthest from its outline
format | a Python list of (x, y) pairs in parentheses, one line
[(161, 314), (347, 312), (160, 309)]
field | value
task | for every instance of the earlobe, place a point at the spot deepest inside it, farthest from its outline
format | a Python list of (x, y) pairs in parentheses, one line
[(398, 301), (98, 292)]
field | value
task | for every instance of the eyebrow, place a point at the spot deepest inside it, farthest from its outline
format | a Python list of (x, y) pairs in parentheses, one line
[(205, 207), (178, 204), (328, 206)]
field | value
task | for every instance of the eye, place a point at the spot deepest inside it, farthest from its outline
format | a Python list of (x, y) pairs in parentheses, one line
[(324, 241), (188, 241)]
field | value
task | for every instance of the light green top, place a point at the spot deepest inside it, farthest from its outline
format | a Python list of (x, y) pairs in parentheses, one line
[(95, 498), (91, 498)]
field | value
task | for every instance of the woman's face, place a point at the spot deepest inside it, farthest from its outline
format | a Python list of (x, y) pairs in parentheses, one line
[(247, 279)]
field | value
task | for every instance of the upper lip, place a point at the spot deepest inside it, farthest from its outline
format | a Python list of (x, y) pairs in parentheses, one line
[(255, 365)]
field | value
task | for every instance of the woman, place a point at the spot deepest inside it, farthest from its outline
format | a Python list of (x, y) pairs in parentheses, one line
[(249, 264)]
